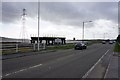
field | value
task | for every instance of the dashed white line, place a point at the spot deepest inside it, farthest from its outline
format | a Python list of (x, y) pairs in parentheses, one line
[(8, 74), (85, 76)]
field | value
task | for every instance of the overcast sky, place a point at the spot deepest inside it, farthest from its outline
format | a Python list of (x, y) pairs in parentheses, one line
[(62, 19)]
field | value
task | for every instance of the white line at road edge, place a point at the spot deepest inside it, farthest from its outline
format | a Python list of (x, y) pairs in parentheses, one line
[(107, 67), (85, 76), (8, 74)]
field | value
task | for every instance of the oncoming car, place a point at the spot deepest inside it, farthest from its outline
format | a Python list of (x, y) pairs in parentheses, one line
[(103, 42), (110, 42), (80, 46)]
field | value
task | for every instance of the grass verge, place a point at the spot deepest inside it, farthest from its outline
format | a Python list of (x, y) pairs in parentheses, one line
[(14, 50), (61, 47), (89, 44), (117, 47), (30, 49), (66, 47)]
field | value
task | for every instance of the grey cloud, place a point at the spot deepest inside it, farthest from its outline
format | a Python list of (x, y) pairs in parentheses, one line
[(12, 11), (74, 13), (64, 13)]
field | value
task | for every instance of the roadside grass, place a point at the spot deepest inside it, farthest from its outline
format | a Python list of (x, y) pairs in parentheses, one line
[(61, 47), (31, 49), (89, 44), (66, 47), (117, 47), (14, 50)]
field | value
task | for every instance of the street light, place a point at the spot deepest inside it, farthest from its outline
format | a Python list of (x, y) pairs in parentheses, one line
[(38, 22), (83, 29), (105, 35)]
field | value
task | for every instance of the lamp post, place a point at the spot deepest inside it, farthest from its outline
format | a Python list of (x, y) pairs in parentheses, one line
[(38, 22), (105, 35), (83, 29)]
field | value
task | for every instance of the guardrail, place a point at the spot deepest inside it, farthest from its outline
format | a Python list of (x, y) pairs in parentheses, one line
[(13, 48)]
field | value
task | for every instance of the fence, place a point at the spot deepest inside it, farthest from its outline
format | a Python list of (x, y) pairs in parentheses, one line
[(25, 47), (13, 48)]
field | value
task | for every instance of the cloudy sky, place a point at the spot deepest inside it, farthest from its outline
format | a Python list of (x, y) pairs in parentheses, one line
[(64, 19)]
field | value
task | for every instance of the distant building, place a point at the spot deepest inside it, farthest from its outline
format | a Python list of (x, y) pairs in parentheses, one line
[(49, 40)]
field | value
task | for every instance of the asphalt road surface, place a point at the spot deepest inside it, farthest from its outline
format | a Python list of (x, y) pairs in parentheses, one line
[(68, 63)]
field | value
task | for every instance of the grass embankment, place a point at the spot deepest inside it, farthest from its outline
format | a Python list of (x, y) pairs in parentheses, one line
[(61, 47), (66, 47), (49, 48), (14, 50), (89, 44), (117, 47)]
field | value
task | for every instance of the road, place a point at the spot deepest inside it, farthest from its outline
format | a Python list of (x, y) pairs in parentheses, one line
[(68, 63)]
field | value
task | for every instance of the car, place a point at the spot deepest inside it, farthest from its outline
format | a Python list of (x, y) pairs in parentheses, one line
[(80, 46), (114, 41), (103, 42), (110, 42)]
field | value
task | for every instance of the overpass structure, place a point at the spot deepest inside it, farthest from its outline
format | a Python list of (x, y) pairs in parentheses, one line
[(48, 40)]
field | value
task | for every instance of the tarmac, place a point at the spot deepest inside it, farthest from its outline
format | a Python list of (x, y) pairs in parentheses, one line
[(112, 72), (113, 68), (21, 54)]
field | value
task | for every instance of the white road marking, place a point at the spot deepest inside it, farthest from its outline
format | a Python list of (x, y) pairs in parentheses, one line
[(85, 76), (8, 74), (107, 67)]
